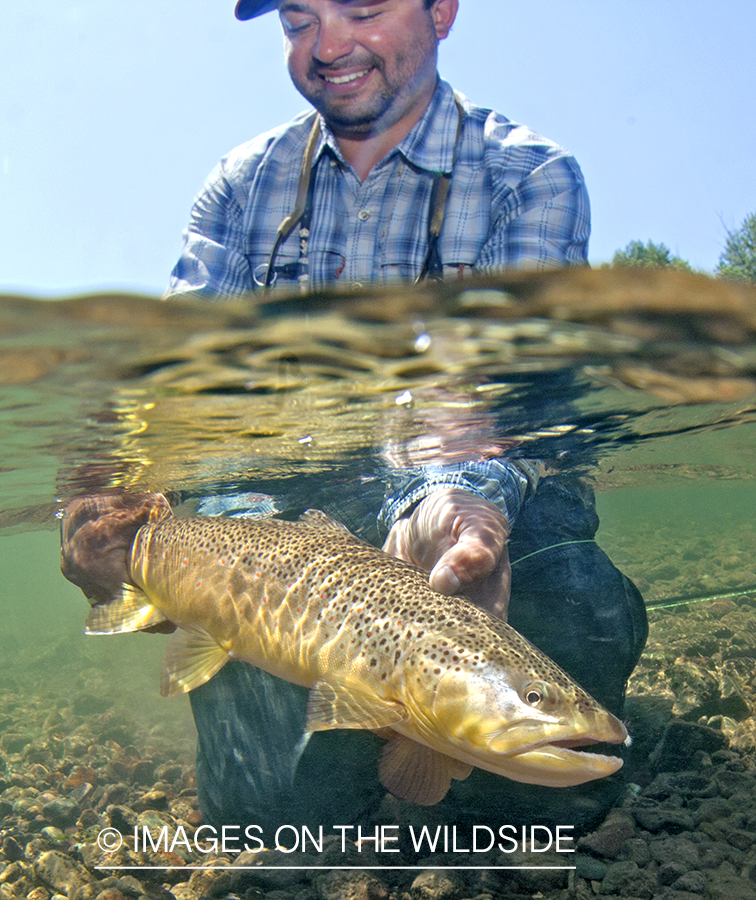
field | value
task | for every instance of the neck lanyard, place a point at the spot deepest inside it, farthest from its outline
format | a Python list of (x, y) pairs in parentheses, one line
[(432, 267)]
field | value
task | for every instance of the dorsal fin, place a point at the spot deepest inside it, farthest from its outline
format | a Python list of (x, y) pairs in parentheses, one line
[(319, 519)]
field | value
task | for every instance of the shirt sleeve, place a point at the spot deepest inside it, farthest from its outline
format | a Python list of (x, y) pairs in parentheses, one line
[(212, 261), (504, 483), (544, 223)]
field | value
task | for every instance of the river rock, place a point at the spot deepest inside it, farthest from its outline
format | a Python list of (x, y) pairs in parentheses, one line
[(436, 886), (363, 885), (680, 741), (608, 839), (60, 872)]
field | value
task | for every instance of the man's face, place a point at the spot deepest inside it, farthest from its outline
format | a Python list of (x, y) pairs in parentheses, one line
[(364, 64)]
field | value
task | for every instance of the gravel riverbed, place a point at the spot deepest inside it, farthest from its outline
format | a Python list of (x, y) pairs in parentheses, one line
[(686, 827)]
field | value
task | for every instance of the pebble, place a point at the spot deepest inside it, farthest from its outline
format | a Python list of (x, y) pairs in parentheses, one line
[(436, 886), (686, 830)]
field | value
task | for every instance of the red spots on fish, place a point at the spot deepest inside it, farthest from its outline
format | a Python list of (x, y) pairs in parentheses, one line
[(198, 583), (185, 561)]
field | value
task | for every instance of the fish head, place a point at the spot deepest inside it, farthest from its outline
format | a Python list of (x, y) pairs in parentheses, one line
[(515, 712)]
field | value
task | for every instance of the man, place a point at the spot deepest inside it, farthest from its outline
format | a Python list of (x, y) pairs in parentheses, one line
[(390, 140), (394, 177)]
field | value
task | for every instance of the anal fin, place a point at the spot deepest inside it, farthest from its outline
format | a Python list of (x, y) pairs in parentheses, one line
[(419, 774), (131, 611), (346, 705), (192, 657)]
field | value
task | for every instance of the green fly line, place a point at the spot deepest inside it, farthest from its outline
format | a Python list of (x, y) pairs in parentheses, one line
[(667, 602)]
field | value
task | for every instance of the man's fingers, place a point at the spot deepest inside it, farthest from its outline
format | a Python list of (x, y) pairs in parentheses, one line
[(468, 560), (444, 579), (480, 578), (397, 541), (461, 539)]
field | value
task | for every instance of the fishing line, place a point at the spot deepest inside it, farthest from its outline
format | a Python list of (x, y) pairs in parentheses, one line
[(709, 598), (551, 547), (667, 602)]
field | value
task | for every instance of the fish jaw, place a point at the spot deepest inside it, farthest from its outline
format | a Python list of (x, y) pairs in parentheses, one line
[(545, 753), (555, 761), (554, 766)]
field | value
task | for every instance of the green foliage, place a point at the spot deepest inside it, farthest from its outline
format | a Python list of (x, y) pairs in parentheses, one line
[(738, 259), (639, 254)]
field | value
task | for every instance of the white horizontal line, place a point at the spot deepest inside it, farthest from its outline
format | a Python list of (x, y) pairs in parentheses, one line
[(323, 868)]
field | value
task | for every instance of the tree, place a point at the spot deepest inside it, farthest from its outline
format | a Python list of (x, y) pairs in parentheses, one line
[(738, 259), (639, 254)]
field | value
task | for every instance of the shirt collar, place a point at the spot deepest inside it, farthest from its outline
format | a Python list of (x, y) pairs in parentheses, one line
[(430, 144)]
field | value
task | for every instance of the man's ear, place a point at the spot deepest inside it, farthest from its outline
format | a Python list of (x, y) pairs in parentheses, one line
[(444, 13)]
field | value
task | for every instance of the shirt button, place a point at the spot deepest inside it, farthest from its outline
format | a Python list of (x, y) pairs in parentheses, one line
[(363, 215)]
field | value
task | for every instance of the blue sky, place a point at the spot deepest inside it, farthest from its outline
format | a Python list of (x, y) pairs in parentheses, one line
[(112, 114)]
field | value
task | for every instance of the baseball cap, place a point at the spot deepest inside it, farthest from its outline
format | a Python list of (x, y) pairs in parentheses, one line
[(249, 9)]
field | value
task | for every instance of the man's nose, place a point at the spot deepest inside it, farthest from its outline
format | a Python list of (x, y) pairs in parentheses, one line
[(335, 39)]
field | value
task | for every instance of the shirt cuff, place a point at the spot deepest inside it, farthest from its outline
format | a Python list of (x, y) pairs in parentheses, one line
[(503, 483)]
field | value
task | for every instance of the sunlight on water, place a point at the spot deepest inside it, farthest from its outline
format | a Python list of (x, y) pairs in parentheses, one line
[(643, 385)]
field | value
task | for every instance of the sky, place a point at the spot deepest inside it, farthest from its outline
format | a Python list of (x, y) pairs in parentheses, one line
[(112, 114)]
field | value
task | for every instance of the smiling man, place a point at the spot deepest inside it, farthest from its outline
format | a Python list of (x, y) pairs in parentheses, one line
[(394, 176)]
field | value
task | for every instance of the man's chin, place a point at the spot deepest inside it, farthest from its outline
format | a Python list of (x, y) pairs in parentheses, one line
[(350, 113)]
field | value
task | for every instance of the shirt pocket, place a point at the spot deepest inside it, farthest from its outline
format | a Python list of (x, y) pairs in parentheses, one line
[(402, 253), (321, 267)]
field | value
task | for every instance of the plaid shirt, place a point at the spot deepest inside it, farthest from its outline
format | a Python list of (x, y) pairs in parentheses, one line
[(516, 200)]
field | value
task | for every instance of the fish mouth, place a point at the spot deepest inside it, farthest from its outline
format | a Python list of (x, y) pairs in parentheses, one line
[(560, 762)]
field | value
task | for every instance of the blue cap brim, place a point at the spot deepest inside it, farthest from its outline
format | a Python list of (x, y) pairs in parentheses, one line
[(249, 9)]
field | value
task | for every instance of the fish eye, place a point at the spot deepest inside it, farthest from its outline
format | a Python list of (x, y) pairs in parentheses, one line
[(535, 693)]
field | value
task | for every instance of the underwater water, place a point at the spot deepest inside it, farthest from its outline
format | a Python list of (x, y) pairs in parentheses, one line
[(642, 385)]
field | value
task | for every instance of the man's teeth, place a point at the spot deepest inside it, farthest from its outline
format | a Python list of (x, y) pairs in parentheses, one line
[(344, 79)]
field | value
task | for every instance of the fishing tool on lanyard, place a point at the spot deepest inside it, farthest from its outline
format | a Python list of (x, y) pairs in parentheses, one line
[(302, 213)]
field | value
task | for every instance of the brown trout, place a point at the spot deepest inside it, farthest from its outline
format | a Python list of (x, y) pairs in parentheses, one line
[(449, 685)]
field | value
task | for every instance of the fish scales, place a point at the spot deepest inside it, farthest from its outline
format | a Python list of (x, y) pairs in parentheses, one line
[(318, 603), (451, 686)]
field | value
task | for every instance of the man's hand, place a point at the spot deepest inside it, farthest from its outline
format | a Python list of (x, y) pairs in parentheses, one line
[(461, 539)]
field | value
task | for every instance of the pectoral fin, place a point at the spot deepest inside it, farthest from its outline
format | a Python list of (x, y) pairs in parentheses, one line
[(416, 773), (348, 705), (192, 657), (132, 611)]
